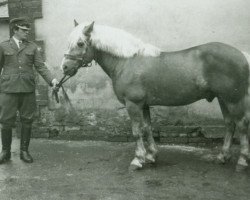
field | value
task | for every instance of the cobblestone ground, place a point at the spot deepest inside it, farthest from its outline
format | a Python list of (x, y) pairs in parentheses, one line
[(99, 170)]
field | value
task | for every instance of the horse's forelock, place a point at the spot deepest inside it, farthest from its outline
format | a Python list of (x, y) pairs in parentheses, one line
[(76, 35)]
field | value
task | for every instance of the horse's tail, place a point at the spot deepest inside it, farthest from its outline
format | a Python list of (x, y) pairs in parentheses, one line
[(247, 56)]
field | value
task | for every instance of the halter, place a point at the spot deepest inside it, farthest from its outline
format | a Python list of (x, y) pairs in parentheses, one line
[(83, 63)]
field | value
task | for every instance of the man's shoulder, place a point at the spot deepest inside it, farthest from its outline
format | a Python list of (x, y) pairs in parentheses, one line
[(31, 43), (4, 43), (34, 46)]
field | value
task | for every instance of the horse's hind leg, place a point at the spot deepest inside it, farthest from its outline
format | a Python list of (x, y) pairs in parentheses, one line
[(225, 154), (236, 114), (243, 125), (152, 148), (136, 115)]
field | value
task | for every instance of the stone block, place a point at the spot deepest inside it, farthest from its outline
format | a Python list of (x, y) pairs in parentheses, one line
[(42, 102), (199, 140), (117, 139), (177, 140), (214, 131)]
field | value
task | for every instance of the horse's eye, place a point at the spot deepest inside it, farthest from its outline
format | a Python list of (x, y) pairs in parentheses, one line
[(80, 44)]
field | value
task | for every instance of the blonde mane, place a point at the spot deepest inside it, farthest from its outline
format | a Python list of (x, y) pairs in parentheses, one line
[(114, 41)]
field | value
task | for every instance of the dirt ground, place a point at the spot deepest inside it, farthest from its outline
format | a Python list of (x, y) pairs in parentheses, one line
[(99, 171)]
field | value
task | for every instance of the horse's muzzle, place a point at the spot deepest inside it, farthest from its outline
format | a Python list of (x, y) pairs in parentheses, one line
[(68, 71)]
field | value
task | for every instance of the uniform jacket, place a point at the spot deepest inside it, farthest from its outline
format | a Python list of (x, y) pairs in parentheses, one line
[(17, 67)]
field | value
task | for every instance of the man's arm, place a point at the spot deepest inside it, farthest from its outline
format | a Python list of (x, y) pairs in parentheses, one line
[(43, 70), (41, 67)]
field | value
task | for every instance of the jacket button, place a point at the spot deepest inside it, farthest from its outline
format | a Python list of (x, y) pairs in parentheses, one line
[(20, 67)]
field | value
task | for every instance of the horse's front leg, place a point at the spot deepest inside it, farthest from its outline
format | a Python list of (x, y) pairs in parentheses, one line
[(136, 115), (152, 148)]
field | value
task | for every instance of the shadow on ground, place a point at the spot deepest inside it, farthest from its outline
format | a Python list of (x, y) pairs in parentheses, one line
[(99, 171)]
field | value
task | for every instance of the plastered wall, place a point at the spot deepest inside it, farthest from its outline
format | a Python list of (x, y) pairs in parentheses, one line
[(170, 25)]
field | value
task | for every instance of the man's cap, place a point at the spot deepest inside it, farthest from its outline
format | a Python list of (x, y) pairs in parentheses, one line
[(20, 22)]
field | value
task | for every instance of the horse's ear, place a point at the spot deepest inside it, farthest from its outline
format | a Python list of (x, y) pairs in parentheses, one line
[(75, 23), (88, 29)]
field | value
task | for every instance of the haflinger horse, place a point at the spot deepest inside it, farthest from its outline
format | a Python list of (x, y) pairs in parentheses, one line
[(142, 75)]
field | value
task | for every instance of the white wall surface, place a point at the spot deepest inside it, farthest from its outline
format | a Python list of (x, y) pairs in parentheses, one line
[(168, 24), (4, 31)]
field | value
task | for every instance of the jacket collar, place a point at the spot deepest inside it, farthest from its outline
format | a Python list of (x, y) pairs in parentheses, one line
[(14, 45)]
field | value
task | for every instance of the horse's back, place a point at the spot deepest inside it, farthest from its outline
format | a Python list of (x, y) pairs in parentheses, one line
[(209, 70), (183, 77), (226, 71)]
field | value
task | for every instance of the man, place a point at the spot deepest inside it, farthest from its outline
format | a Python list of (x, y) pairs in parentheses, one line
[(18, 57)]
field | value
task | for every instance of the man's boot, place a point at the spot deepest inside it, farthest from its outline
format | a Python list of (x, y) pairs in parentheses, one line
[(6, 136), (25, 141)]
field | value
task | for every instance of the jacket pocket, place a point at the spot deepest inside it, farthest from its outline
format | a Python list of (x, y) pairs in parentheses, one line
[(29, 56), (4, 78), (29, 53), (15, 83), (8, 53), (9, 57), (28, 79)]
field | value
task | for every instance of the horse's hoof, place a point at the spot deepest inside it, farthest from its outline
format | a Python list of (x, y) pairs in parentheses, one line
[(135, 165), (150, 158), (222, 159), (240, 168), (133, 168)]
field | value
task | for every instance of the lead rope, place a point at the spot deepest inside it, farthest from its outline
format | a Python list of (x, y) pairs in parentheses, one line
[(56, 90), (60, 84)]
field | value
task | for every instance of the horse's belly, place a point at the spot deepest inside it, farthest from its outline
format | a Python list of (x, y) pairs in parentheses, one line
[(176, 93), (176, 98)]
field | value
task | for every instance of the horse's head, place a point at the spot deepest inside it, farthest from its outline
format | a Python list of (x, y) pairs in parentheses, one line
[(80, 53)]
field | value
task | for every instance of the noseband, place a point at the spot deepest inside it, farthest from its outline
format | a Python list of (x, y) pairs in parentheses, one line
[(83, 63)]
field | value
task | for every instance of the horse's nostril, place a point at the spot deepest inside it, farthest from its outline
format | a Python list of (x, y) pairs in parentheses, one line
[(65, 67)]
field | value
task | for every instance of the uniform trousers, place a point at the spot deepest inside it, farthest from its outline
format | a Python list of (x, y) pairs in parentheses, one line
[(10, 103)]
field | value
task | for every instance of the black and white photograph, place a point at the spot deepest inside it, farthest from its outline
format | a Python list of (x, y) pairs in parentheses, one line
[(124, 99)]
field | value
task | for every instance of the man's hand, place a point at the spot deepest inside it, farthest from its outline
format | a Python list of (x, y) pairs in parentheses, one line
[(54, 85)]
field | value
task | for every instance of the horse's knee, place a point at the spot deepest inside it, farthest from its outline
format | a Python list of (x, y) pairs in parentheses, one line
[(243, 124), (145, 129), (137, 130), (230, 124)]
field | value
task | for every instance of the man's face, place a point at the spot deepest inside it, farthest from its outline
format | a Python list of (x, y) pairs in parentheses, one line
[(21, 34)]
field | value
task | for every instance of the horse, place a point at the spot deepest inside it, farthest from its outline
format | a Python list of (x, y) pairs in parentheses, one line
[(142, 76)]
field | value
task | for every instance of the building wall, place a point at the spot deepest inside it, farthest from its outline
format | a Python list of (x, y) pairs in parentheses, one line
[(170, 25), (4, 33)]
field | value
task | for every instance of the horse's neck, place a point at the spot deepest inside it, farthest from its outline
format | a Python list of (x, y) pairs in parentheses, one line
[(108, 62)]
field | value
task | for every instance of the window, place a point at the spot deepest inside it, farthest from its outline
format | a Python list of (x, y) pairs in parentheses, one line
[(4, 14)]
